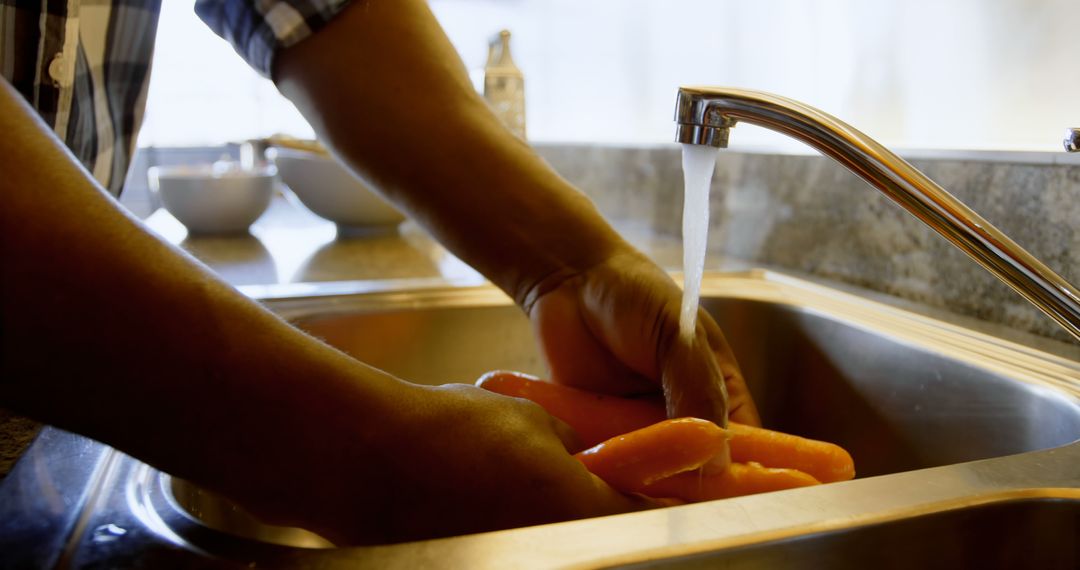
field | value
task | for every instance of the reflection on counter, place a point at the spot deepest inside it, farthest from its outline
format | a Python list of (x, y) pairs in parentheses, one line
[(381, 256), (240, 260), (289, 244)]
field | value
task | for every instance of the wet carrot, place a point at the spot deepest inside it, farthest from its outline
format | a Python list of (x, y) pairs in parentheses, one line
[(632, 461), (662, 460), (825, 461), (737, 480), (595, 417)]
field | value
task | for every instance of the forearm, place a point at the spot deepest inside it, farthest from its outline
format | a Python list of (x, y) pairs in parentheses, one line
[(385, 89), (111, 332)]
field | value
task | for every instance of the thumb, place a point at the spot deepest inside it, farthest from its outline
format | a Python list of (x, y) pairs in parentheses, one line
[(614, 501), (694, 386), (567, 435)]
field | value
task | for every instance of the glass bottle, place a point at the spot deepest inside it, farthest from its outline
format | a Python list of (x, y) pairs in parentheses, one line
[(504, 85)]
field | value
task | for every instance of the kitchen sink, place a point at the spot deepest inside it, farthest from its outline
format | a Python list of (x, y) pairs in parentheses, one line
[(966, 444), (902, 392), (895, 403), (1032, 533)]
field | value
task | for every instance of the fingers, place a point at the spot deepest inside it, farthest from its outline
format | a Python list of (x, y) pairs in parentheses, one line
[(595, 497), (600, 498), (613, 502), (693, 382), (567, 435), (741, 407), (615, 330), (695, 386), (575, 355)]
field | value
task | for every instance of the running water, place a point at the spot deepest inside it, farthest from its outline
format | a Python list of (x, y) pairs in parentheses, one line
[(698, 164)]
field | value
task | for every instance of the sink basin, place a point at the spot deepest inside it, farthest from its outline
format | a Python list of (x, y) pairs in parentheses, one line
[(894, 404), (965, 444)]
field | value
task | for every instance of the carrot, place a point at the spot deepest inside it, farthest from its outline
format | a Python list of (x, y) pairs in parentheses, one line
[(662, 460), (737, 480), (825, 461), (632, 461), (595, 417)]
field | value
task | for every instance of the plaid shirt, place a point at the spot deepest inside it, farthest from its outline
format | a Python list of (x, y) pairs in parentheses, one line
[(85, 64)]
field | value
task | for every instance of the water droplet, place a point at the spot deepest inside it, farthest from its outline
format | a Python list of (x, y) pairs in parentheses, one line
[(108, 533)]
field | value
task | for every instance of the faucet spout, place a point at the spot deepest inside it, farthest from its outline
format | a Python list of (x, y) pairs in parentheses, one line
[(705, 115), (698, 122), (1072, 140)]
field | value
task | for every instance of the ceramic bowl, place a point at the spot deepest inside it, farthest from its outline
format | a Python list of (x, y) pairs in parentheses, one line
[(212, 200), (330, 191)]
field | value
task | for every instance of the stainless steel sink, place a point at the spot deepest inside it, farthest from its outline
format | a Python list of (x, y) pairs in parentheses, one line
[(1027, 533), (897, 402), (966, 444), (918, 401)]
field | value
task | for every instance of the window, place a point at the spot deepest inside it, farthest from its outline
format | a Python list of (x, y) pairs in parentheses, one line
[(912, 73)]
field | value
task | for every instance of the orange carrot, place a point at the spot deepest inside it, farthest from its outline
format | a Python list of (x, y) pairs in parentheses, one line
[(662, 460), (737, 480), (825, 461), (632, 461), (595, 417)]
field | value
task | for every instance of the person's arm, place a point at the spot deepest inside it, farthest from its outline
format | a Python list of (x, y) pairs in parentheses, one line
[(110, 332), (384, 88)]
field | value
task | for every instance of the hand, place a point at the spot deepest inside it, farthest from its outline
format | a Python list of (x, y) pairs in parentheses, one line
[(614, 328), (461, 460)]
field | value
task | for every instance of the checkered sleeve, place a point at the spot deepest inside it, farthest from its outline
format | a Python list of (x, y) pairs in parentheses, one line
[(258, 28)]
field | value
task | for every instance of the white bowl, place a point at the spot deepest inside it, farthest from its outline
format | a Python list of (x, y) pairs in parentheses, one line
[(330, 191), (209, 199)]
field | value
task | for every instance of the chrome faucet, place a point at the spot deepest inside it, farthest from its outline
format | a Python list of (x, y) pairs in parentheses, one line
[(705, 116)]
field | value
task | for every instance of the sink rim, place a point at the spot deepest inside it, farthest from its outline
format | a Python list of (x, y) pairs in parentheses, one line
[(957, 340), (701, 528)]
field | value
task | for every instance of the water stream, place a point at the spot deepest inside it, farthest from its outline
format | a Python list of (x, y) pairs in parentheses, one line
[(698, 164)]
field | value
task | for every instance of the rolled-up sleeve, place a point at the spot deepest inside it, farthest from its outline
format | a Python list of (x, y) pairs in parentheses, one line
[(257, 29)]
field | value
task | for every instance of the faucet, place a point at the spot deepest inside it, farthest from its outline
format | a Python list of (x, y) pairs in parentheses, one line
[(705, 116)]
